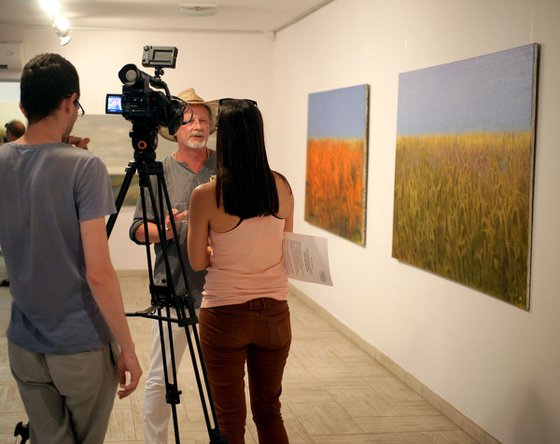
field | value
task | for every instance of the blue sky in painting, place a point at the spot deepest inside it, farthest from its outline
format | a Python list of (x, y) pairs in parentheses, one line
[(487, 93), (339, 113)]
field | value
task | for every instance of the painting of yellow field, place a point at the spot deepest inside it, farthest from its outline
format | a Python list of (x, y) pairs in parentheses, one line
[(335, 188), (464, 171)]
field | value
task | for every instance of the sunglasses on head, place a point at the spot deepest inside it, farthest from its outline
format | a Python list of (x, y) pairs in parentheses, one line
[(228, 99)]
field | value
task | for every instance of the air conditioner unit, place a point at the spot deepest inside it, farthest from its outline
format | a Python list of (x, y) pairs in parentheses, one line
[(11, 56)]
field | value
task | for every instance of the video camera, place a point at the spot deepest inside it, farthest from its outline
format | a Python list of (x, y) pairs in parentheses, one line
[(145, 107)]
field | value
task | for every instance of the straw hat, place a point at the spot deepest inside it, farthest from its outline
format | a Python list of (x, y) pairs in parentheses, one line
[(192, 98)]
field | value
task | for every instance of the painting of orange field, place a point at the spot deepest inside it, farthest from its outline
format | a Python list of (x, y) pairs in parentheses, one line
[(334, 193), (464, 168), (336, 180)]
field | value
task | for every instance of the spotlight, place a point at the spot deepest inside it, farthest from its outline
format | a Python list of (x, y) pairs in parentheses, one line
[(51, 7), (61, 24), (64, 40), (61, 27)]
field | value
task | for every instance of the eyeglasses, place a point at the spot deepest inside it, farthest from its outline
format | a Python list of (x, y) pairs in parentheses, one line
[(249, 101), (80, 108)]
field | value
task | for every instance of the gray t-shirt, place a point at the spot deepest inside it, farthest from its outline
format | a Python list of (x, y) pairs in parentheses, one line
[(46, 190), (180, 181)]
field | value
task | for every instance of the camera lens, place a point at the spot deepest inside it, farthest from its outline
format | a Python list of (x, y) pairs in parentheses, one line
[(129, 74)]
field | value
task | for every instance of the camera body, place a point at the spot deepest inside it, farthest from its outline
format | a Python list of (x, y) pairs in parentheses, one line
[(142, 104)]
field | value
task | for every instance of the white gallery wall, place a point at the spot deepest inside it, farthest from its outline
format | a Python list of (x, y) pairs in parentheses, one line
[(215, 64), (496, 364)]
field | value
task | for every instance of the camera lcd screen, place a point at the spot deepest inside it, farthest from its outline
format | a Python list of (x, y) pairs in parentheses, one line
[(113, 104), (163, 57)]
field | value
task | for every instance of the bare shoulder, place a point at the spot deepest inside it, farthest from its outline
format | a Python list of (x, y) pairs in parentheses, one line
[(204, 196), (282, 183), (285, 196), (205, 189)]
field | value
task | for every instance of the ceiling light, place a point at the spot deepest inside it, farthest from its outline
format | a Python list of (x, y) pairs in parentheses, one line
[(194, 10), (61, 27), (61, 23), (51, 7), (64, 40)]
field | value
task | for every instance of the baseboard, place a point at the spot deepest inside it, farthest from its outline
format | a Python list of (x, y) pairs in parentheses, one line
[(464, 423)]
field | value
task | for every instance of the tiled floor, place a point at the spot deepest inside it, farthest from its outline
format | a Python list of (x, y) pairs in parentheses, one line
[(333, 391)]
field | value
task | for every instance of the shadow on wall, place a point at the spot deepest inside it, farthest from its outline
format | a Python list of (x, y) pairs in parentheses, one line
[(536, 422)]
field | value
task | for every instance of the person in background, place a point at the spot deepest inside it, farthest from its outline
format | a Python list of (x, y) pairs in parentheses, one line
[(14, 130), (69, 344), (192, 164), (244, 317)]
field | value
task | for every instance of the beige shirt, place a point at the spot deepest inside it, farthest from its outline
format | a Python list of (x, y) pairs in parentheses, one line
[(247, 263)]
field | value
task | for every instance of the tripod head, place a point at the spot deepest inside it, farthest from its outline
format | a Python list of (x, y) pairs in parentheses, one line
[(144, 137)]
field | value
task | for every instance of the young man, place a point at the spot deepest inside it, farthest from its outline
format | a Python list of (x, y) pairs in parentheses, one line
[(189, 166), (67, 320)]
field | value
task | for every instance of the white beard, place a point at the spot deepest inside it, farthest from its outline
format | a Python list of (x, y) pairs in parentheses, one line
[(196, 145)]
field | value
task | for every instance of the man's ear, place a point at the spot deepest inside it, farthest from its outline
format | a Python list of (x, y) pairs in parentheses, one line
[(22, 110), (67, 103)]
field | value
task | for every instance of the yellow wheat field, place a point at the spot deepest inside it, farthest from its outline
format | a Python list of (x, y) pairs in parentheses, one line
[(463, 209), (334, 189)]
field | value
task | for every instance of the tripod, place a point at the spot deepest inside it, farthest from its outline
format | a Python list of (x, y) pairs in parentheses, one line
[(164, 297)]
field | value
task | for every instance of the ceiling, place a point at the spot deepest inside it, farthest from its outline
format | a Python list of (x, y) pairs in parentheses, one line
[(232, 15)]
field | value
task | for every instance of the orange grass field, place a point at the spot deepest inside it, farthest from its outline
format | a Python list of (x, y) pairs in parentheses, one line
[(463, 209), (334, 191)]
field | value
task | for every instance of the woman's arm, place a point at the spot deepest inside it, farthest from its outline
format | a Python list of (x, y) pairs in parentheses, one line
[(289, 224), (285, 201), (200, 210)]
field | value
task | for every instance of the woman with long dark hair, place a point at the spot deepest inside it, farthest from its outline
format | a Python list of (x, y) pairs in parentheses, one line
[(236, 227)]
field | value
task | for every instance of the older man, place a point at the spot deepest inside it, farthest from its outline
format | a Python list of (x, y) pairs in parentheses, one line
[(192, 164)]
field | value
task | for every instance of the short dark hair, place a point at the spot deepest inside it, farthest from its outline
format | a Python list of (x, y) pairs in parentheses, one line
[(46, 80), (244, 179)]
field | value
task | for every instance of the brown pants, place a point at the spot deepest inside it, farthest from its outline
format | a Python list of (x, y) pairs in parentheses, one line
[(259, 333), (68, 398)]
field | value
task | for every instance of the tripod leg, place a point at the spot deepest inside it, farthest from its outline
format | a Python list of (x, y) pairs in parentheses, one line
[(187, 301), (23, 431), (172, 393), (200, 374), (166, 295), (130, 170)]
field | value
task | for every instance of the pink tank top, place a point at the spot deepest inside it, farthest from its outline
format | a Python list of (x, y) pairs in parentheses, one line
[(247, 263)]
